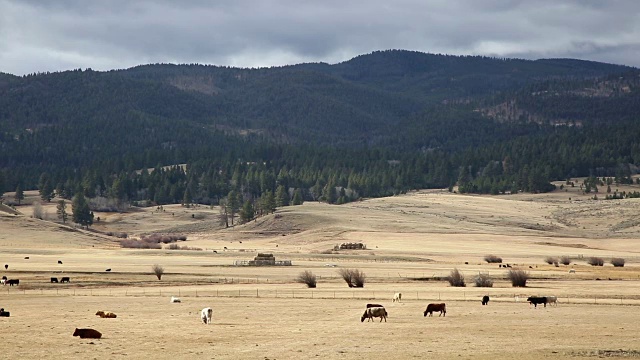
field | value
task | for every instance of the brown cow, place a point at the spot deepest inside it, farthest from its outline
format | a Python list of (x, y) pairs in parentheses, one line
[(436, 307), (370, 313), (87, 333)]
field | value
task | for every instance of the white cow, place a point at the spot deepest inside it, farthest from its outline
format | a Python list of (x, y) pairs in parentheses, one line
[(206, 315), (397, 297), (3, 282), (175, 299), (552, 300)]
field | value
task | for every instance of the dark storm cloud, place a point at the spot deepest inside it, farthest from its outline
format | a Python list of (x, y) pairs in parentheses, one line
[(64, 34)]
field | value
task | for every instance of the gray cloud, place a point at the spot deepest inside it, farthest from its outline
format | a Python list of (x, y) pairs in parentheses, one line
[(65, 34)]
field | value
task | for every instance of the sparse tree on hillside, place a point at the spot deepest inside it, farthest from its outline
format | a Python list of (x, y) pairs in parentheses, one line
[(81, 213), (247, 214), (61, 210), (224, 215), (45, 188), (232, 205), (186, 199), (282, 196), (19, 195), (268, 202), (38, 213), (297, 197)]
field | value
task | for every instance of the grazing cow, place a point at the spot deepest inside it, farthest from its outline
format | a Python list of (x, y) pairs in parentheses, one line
[(26, 258), (87, 333), (552, 300), (12, 282), (4, 313), (397, 297), (535, 300), (6, 266), (175, 299), (65, 279), (442, 308), (370, 313), (109, 269), (54, 279), (60, 262), (206, 315), (572, 271), (106, 315), (374, 305), (485, 300)]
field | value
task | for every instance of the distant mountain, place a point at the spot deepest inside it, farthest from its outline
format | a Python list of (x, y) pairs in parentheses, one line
[(385, 105)]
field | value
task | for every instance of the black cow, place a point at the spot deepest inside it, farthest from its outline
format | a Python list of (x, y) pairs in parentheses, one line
[(6, 266), (535, 300), (65, 279), (485, 300), (4, 313), (12, 282), (54, 280), (60, 262), (109, 269)]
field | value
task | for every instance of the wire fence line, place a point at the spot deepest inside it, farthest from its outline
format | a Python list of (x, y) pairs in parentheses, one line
[(315, 294)]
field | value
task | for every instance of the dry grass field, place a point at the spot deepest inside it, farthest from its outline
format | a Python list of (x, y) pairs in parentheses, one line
[(413, 242)]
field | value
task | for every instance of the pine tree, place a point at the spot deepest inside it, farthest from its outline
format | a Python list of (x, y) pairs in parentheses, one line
[(186, 199), (247, 213), (297, 197), (61, 210), (81, 213), (232, 204), (268, 202), (19, 195), (282, 196), (45, 188)]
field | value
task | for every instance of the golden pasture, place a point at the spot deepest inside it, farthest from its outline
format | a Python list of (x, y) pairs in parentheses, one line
[(413, 241)]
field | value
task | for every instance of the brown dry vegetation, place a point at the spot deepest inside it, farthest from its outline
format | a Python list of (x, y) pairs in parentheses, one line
[(420, 236)]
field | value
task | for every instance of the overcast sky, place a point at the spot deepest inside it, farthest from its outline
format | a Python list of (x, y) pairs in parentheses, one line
[(51, 35)]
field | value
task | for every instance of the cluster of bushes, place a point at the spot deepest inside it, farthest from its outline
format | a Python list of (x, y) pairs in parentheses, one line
[(595, 261), (518, 278), (353, 277), (119, 235), (456, 278), (175, 246), (552, 260), (492, 259), (139, 244), (163, 238), (307, 277), (483, 280)]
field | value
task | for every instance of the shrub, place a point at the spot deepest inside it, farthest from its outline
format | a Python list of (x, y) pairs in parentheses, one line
[(595, 261), (483, 280), (518, 278), (175, 246), (456, 278), (617, 262), (137, 244), (564, 260), (550, 260), (307, 277), (38, 213), (162, 238), (353, 277), (119, 235), (158, 270), (491, 259)]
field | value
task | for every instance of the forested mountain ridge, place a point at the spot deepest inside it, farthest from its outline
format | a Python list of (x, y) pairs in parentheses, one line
[(374, 125)]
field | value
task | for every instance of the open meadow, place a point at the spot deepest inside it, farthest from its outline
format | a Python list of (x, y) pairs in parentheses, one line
[(413, 243)]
